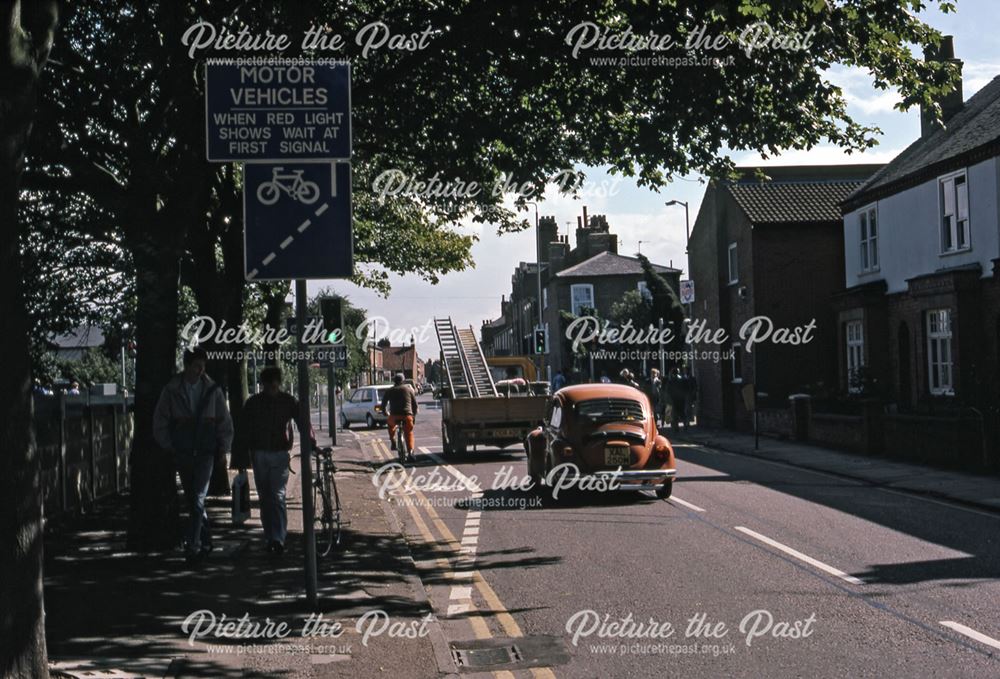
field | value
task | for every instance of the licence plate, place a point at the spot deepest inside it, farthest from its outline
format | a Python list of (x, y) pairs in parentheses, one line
[(505, 433), (616, 456)]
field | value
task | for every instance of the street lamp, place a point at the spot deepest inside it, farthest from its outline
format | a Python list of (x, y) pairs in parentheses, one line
[(687, 225), (538, 260)]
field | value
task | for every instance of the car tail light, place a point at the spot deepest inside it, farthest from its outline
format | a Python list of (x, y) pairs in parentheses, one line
[(662, 452)]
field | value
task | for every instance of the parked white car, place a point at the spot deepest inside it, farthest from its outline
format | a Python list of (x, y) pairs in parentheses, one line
[(364, 405)]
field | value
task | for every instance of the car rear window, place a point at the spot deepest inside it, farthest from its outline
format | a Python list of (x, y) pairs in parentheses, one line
[(380, 394), (622, 409)]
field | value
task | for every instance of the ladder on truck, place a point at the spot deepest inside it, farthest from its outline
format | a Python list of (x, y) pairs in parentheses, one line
[(463, 361)]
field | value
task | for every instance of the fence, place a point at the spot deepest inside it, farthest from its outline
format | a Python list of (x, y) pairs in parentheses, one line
[(962, 441), (84, 443)]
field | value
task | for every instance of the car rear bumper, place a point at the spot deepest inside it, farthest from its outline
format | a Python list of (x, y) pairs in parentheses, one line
[(639, 479)]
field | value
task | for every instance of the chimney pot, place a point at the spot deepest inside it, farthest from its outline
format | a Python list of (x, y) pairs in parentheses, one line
[(951, 103)]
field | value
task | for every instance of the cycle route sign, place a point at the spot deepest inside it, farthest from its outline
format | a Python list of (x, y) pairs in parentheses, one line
[(277, 110), (297, 221)]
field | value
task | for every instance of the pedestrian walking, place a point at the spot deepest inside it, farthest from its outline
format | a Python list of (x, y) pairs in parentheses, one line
[(655, 387), (192, 423), (264, 441), (559, 381), (677, 392)]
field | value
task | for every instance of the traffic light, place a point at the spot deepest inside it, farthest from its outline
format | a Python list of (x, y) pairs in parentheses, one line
[(333, 319), (540, 341)]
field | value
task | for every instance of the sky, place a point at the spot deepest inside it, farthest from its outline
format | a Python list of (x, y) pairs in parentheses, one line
[(638, 214)]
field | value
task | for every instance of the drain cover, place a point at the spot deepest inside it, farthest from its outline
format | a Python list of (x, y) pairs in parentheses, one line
[(486, 657), (509, 654)]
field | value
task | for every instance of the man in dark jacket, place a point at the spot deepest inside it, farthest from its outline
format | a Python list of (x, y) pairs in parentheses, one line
[(192, 422), (264, 439), (402, 408)]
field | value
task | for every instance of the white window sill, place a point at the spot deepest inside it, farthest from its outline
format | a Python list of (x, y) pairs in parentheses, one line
[(951, 253), (869, 272), (737, 381)]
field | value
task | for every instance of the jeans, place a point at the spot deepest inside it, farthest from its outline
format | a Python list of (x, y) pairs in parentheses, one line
[(270, 475), (196, 472)]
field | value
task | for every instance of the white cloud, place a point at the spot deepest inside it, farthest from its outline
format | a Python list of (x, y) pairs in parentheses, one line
[(976, 75), (820, 155)]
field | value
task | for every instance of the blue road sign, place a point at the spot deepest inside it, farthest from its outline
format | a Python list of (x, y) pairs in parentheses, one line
[(278, 111), (297, 221)]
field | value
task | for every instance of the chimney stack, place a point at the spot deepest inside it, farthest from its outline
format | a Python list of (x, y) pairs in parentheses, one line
[(951, 103)]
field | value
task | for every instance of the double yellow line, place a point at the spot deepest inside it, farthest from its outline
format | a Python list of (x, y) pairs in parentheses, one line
[(497, 610)]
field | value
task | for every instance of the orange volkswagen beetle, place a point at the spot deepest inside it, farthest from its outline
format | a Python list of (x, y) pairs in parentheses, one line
[(606, 431)]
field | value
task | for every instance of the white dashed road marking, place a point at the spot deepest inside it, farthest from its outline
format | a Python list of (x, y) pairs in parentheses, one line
[(971, 633), (826, 568), (684, 503)]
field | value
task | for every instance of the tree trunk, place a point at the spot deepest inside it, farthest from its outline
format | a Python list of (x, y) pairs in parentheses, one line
[(22, 628), (26, 35), (153, 519), (219, 293)]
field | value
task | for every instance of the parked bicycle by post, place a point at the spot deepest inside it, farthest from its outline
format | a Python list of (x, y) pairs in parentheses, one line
[(326, 503), (290, 183), (400, 402)]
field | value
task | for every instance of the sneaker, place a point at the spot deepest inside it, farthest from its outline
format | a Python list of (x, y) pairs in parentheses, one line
[(279, 548)]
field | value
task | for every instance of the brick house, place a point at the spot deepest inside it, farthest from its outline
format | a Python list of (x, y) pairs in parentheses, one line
[(590, 275), (919, 321), (596, 283), (403, 359), (768, 248)]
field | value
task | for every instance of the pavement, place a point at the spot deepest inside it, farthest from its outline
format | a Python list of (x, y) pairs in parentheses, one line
[(970, 489), (115, 613)]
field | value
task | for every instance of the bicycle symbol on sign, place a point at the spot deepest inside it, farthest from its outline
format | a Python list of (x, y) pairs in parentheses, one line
[(292, 184)]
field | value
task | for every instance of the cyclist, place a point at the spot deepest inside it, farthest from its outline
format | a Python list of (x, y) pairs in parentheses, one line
[(402, 408)]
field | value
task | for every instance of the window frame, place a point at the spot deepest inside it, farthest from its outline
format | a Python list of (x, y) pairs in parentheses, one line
[(868, 244), (953, 231), (572, 297), (936, 340), (857, 343), (736, 363), (734, 267)]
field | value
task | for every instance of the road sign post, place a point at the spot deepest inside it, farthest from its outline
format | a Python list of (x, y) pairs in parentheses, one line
[(305, 446), (295, 116)]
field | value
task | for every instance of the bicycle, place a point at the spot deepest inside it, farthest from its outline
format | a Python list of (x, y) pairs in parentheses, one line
[(326, 500), (402, 451), (299, 189)]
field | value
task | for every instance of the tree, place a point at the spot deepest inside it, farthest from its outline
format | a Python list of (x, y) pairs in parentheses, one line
[(27, 31)]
